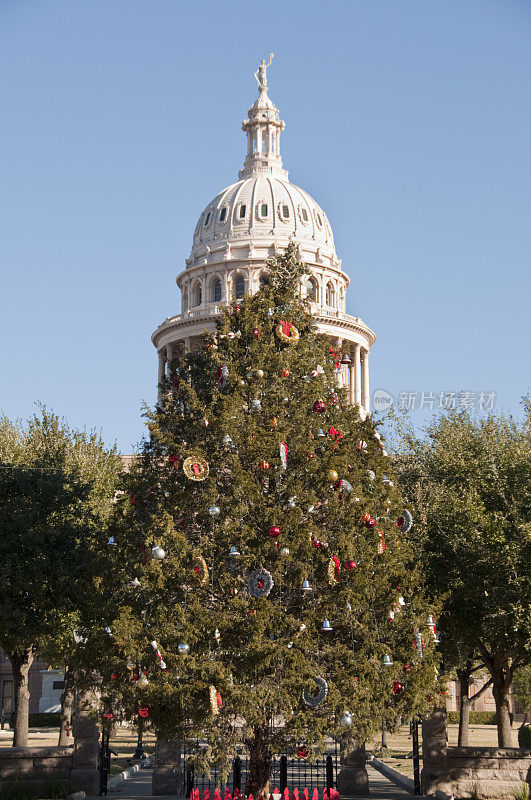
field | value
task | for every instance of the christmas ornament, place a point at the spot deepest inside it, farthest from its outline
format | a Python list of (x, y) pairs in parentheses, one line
[(256, 404), (183, 648), (387, 661), (264, 465), (201, 570), (345, 359), (314, 697), (319, 407), (111, 542), (407, 668), (114, 676), (205, 423), (223, 374), (319, 370), (332, 474), (227, 441), (195, 468), (284, 455), (214, 511), (362, 445), (371, 475), (284, 551), (274, 531), (346, 719), (433, 627), (405, 522), (234, 552), (321, 432), (333, 571), (326, 626), (335, 435), (231, 335), (303, 752), (381, 543), (142, 682), (143, 712), (291, 502), (287, 332), (108, 715), (260, 583), (234, 591), (256, 333), (215, 700), (162, 664), (135, 583), (306, 586), (284, 373), (350, 564), (397, 687), (158, 553), (259, 373)]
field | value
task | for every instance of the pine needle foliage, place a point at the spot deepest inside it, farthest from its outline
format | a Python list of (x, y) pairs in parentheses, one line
[(235, 403)]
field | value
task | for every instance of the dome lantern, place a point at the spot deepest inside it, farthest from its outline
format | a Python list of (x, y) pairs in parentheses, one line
[(263, 127)]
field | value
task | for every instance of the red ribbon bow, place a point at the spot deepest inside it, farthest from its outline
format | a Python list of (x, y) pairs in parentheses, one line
[(286, 328)]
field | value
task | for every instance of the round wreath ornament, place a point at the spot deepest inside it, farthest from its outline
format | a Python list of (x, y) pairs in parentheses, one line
[(314, 697), (405, 521), (287, 332), (196, 469), (260, 583)]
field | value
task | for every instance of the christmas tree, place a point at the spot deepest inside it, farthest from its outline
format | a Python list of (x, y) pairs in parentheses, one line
[(269, 594)]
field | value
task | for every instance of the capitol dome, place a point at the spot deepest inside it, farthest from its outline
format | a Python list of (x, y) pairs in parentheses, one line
[(249, 222)]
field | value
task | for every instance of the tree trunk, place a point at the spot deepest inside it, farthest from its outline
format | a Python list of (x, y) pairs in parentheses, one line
[(260, 766), (464, 708), (21, 661), (500, 690), (67, 701)]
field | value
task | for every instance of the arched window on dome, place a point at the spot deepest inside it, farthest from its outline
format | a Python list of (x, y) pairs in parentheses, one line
[(216, 291), (239, 287), (330, 295), (223, 214), (311, 290), (197, 294)]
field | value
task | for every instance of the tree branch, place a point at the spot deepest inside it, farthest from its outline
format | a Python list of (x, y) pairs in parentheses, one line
[(480, 692)]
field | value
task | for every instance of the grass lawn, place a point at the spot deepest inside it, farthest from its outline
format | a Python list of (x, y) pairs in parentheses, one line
[(123, 742), (399, 744)]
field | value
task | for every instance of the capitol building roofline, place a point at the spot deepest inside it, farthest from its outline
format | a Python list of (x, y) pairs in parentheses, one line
[(248, 222)]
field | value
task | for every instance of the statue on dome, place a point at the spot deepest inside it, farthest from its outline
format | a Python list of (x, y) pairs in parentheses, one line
[(261, 73)]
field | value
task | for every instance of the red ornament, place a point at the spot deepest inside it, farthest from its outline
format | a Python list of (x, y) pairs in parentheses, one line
[(114, 676), (319, 407), (397, 687), (316, 543), (303, 752), (274, 531), (370, 523), (205, 423), (256, 333), (366, 517), (362, 445), (284, 373), (350, 564), (264, 465), (108, 715), (407, 668), (236, 308), (143, 712)]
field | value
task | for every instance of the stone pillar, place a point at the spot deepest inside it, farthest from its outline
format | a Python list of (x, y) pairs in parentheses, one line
[(162, 368), (357, 375), (366, 402), (434, 747), (167, 773), (85, 776), (352, 382), (187, 345), (353, 778)]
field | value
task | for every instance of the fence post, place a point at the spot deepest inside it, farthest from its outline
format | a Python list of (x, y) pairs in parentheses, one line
[(283, 772), (329, 772), (237, 774)]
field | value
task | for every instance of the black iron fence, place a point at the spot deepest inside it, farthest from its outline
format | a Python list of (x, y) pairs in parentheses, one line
[(290, 770)]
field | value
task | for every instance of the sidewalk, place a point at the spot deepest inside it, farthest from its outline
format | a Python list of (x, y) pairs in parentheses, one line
[(139, 788)]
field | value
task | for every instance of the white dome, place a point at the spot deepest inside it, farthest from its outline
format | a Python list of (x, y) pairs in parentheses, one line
[(264, 208)]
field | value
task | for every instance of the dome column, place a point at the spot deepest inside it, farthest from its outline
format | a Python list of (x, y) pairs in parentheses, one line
[(162, 370), (365, 381), (355, 377)]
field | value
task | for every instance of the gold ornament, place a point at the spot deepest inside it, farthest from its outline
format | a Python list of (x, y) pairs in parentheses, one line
[(287, 332), (332, 474), (195, 468), (333, 571), (201, 570)]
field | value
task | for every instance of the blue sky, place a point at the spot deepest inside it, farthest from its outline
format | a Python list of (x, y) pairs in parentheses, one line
[(409, 121)]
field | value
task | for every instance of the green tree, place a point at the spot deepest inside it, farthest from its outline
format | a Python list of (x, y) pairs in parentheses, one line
[(274, 504), (469, 480), (56, 491)]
